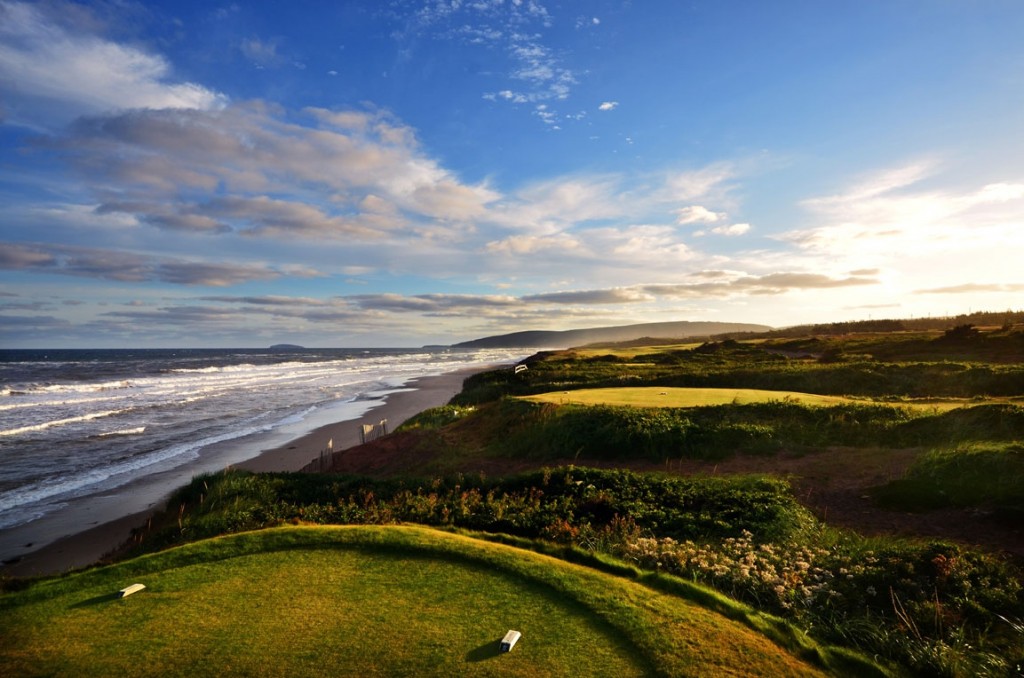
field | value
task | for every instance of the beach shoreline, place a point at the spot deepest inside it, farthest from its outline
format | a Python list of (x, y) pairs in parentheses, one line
[(83, 548)]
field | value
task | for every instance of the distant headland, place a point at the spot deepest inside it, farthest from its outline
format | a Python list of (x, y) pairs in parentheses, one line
[(567, 338)]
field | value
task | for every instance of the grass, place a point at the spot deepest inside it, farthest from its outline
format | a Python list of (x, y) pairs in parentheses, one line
[(523, 429), (879, 366), (652, 396), (988, 475), (371, 601), (745, 536), (631, 351), (648, 396), (932, 607)]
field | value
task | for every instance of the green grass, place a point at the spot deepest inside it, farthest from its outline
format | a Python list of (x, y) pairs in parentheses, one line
[(652, 396), (630, 352), (649, 396), (877, 366), (371, 601)]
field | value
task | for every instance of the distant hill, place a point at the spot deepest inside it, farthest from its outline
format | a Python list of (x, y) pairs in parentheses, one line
[(569, 338)]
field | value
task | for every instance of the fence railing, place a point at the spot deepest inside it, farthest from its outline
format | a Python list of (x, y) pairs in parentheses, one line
[(367, 433)]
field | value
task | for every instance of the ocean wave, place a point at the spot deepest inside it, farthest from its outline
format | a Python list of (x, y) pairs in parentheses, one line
[(55, 403), (122, 432), (121, 473), (29, 389), (12, 519), (63, 422), (294, 418)]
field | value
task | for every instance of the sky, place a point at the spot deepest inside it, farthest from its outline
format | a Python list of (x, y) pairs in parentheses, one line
[(409, 172)]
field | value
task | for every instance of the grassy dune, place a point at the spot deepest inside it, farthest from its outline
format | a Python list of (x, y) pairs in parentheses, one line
[(368, 601)]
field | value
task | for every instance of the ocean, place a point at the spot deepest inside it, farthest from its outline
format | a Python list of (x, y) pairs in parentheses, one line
[(82, 423)]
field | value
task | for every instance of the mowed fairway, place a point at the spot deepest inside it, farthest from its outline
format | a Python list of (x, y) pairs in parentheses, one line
[(365, 601), (654, 396), (661, 396)]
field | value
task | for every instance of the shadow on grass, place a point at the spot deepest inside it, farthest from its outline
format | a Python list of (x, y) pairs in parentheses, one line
[(486, 651), (98, 600)]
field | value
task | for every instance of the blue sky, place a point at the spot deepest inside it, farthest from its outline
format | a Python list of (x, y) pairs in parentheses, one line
[(400, 173)]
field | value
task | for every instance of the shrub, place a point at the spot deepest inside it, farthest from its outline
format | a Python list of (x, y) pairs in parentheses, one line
[(975, 474)]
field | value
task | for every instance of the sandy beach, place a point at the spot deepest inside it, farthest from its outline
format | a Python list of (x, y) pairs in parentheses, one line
[(83, 548)]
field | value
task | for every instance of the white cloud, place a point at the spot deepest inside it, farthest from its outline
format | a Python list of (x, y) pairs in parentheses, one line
[(530, 244), (697, 214), (542, 112), (595, 297), (721, 284), (974, 288), (656, 245), (355, 175), (508, 95), (731, 230), (516, 29), (262, 52), (884, 216), (924, 231), (706, 182), (123, 266), (557, 205), (877, 184), (51, 73), (608, 106)]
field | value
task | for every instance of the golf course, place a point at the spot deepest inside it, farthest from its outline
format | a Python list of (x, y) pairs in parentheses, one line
[(837, 501)]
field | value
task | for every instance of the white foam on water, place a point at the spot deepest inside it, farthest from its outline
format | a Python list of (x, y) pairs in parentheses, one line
[(62, 422), (96, 479), (123, 432)]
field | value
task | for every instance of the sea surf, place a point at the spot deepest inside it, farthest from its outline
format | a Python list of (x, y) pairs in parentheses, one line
[(77, 425)]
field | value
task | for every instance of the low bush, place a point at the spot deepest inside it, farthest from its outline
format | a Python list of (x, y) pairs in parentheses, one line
[(436, 417), (936, 608), (545, 503), (988, 475)]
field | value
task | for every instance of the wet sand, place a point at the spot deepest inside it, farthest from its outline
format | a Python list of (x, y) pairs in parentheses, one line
[(87, 547)]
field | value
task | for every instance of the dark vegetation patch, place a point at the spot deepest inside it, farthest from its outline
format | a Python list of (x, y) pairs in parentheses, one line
[(537, 504), (984, 475)]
